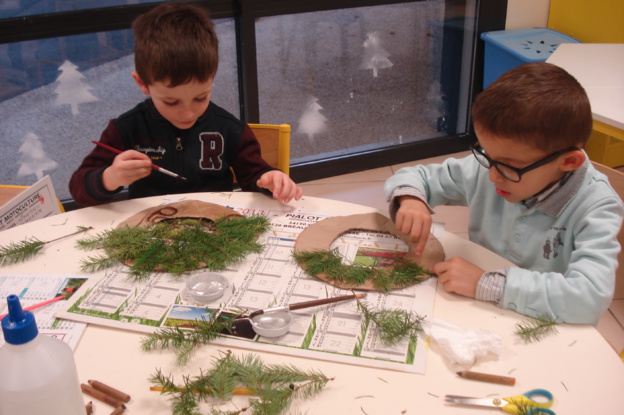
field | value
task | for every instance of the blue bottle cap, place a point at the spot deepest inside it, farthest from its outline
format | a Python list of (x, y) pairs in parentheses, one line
[(18, 326)]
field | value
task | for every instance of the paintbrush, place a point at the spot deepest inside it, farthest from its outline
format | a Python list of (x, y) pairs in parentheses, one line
[(306, 304), (155, 167)]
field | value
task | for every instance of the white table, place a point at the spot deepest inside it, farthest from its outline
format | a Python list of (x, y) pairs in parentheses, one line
[(577, 365), (599, 67)]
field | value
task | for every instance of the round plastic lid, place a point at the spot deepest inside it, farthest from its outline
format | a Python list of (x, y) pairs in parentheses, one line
[(18, 326), (272, 324), (206, 286)]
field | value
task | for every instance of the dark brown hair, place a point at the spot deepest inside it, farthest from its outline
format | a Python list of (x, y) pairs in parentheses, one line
[(175, 43), (538, 103)]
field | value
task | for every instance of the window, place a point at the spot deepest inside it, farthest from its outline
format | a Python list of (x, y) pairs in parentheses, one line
[(363, 83)]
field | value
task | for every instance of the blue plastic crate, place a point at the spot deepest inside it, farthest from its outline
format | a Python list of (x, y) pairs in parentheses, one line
[(506, 49)]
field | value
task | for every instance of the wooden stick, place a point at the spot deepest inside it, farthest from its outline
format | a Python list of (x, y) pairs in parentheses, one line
[(237, 391), (89, 408), (97, 385), (118, 411), (101, 396), (485, 377)]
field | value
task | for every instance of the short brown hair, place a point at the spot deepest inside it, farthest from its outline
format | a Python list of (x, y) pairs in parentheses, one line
[(175, 42), (538, 103)]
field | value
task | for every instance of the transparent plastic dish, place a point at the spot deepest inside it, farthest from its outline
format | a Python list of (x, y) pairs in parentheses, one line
[(272, 324), (206, 286)]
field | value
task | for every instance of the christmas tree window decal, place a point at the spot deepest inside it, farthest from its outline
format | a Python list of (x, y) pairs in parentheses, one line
[(72, 88), (312, 122), (375, 56), (33, 159)]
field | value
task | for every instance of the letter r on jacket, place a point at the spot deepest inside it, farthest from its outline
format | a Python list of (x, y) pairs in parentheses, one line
[(212, 145)]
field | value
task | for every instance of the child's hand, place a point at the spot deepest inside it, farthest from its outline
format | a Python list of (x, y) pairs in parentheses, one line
[(413, 218), (458, 276), (282, 187), (127, 168)]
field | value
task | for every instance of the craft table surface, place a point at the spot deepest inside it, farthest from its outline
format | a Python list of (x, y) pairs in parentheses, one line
[(599, 67), (577, 365)]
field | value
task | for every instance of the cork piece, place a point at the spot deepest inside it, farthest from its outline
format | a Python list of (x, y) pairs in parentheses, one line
[(319, 237)]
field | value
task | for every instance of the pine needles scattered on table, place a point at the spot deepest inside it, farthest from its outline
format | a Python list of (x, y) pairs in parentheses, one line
[(276, 386), (536, 329), (176, 246), (329, 263), (16, 252)]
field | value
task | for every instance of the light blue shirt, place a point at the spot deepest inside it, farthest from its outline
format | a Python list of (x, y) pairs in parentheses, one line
[(564, 246)]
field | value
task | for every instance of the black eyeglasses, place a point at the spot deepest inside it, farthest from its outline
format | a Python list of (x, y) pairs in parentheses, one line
[(510, 173)]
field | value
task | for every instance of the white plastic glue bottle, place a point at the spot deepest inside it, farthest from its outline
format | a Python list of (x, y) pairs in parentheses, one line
[(37, 372)]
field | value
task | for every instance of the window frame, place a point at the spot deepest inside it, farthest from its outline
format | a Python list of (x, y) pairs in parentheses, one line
[(490, 15)]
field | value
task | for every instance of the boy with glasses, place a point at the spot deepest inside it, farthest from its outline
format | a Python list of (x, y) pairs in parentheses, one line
[(533, 197)]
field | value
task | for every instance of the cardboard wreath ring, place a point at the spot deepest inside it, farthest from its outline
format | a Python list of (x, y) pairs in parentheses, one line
[(193, 209), (185, 209), (319, 237)]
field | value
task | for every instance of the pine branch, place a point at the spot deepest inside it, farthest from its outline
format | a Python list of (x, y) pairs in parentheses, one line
[(185, 342), (22, 251), (276, 386), (329, 264), (392, 326), (176, 246), (536, 329)]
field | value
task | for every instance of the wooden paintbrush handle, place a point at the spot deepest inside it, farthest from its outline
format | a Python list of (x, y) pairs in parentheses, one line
[(322, 301), (307, 304)]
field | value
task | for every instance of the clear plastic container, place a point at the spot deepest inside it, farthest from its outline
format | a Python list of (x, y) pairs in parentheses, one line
[(37, 372)]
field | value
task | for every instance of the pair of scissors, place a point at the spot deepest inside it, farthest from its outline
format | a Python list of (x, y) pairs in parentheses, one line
[(524, 404)]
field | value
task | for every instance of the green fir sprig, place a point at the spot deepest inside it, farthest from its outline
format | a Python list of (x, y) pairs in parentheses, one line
[(16, 252), (330, 264), (275, 385), (392, 325), (537, 328), (176, 246), (184, 342)]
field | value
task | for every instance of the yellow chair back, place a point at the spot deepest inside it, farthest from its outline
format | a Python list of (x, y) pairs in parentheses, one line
[(275, 144)]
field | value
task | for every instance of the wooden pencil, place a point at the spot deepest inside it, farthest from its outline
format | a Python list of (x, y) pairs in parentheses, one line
[(118, 411), (237, 391), (97, 385), (486, 377), (101, 396)]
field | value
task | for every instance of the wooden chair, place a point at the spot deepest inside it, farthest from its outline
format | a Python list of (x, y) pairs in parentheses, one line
[(8, 192), (275, 144), (616, 179)]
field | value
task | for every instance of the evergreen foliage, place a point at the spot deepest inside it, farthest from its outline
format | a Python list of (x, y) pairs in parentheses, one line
[(16, 252), (176, 246), (329, 264), (276, 386), (536, 329), (22, 251), (392, 325), (185, 342)]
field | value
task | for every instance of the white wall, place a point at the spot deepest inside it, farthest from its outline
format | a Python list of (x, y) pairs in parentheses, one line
[(527, 13)]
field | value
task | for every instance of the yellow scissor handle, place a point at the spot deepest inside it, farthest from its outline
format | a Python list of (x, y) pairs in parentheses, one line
[(524, 403)]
